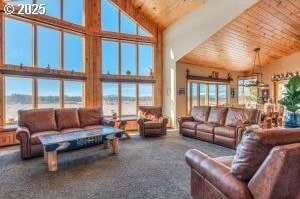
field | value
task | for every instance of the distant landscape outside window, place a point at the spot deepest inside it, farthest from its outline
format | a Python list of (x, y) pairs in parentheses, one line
[(109, 17), (52, 7), (222, 94), (128, 58), (145, 59), (194, 94), (73, 92), (73, 52), (145, 94), (110, 57), (18, 42), (212, 95), (110, 93), (127, 25), (73, 11), (203, 94), (18, 96), (48, 96), (48, 48), (128, 99)]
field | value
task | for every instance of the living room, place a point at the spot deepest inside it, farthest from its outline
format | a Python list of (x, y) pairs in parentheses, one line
[(150, 99)]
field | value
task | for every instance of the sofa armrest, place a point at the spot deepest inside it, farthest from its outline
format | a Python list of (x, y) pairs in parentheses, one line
[(163, 120), (217, 174), (184, 119), (140, 120), (108, 122), (23, 135)]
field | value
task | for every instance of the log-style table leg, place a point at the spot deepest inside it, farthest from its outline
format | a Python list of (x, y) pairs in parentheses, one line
[(45, 156), (52, 160), (115, 145)]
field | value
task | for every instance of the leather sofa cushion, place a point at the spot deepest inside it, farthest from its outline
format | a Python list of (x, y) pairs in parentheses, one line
[(37, 120), (254, 148), (34, 139), (208, 128), (153, 125), (217, 115), (90, 116), (226, 131), (67, 118), (238, 116), (150, 112), (71, 130), (200, 113), (189, 125)]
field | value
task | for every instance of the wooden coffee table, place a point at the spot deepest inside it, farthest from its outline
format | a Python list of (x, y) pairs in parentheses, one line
[(79, 139)]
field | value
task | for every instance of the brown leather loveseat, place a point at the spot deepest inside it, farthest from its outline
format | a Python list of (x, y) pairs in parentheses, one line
[(266, 166), (219, 125), (36, 122)]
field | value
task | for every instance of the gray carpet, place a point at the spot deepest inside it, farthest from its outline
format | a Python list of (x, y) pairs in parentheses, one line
[(145, 168)]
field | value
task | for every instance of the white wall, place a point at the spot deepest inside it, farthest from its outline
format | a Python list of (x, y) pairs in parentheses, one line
[(190, 31)]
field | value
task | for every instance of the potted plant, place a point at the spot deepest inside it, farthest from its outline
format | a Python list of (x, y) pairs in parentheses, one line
[(291, 101)]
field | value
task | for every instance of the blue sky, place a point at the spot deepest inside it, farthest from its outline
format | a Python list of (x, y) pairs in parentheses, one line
[(18, 48)]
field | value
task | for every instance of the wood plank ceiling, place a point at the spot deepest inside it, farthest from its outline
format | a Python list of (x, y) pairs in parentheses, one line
[(272, 25), (166, 12)]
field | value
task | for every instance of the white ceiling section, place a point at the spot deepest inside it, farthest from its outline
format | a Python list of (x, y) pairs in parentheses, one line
[(190, 31)]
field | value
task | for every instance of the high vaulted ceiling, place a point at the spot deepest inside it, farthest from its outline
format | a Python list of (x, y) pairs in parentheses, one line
[(166, 12), (272, 25)]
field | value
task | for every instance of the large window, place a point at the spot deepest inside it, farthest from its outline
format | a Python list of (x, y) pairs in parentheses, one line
[(110, 21), (48, 93), (145, 59), (247, 92), (18, 95), (18, 42), (129, 99), (145, 94), (131, 96), (73, 52), (48, 49), (73, 94), (131, 61), (207, 94), (110, 93), (128, 58)]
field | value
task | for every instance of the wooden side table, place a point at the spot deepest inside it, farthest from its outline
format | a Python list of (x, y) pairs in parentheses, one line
[(8, 135)]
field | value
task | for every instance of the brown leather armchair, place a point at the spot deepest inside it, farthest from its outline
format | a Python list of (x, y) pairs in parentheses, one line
[(151, 122), (266, 166)]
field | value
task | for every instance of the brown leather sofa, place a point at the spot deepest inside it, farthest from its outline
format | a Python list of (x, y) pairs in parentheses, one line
[(151, 122), (219, 125), (36, 122), (266, 166)]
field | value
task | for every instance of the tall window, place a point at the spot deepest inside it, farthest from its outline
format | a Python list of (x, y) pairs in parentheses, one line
[(129, 99), (247, 93), (48, 93), (52, 7), (222, 94), (145, 94), (212, 95), (110, 57), (194, 94), (128, 58), (110, 21), (18, 95), (48, 49), (203, 94), (73, 94), (145, 59), (18, 42), (73, 52), (110, 93)]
